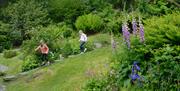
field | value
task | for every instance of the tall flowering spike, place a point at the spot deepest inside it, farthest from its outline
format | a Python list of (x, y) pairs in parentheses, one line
[(123, 31), (126, 34), (134, 26), (113, 43), (141, 32)]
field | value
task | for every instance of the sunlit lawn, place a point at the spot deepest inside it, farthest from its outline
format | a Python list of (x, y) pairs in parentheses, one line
[(68, 75)]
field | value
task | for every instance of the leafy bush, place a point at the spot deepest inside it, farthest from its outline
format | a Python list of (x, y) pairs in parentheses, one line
[(95, 85), (95, 5), (163, 30), (89, 23), (67, 31), (157, 7), (111, 20), (164, 68), (122, 4), (9, 53), (6, 45), (66, 10), (75, 47), (30, 62), (5, 36), (1, 48), (67, 49)]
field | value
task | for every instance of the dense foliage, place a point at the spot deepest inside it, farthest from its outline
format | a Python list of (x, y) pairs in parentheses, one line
[(163, 31), (5, 38), (66, 10), (150, 29), (89, 23), (30, 62), (23, 17), (158, 59)]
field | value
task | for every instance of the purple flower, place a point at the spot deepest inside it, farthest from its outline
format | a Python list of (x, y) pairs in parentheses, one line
[(136, 66), (126, 34), (134, 26), (135, 76), (141, 31)]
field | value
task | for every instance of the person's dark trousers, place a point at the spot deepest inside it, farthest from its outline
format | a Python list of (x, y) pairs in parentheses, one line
[(44, 57), (82, 46)]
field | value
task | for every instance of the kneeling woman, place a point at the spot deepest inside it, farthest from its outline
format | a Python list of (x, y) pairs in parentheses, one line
[(44, 50)]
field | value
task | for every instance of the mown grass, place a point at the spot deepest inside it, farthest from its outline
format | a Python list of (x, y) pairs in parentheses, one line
[(68, 75)]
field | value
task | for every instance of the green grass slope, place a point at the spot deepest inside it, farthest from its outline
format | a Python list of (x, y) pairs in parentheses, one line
[(13, 64), (68, 75)]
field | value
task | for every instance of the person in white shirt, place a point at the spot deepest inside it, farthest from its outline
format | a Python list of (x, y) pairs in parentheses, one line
[(83, 40)]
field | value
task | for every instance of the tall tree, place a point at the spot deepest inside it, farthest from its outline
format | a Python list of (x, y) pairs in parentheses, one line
[(24, 15)]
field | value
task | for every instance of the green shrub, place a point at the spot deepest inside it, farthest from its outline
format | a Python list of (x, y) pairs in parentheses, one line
[(52, 56), (111, 19), (95, 85), (75, 47), (1, 48), (164, 72), (163, 30), (67, 31), (158, 7), (6, 45), (89, 23), (67, 49), (30, 62), (9, 53), (5, 36), (70, 47), (90, 46), (66, 10), (57, 48)]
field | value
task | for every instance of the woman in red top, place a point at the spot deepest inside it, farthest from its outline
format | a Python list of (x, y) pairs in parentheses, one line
[(44, 50)]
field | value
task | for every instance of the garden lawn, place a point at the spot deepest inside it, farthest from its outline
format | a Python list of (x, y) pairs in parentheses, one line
[(13, 64), (70, 74)]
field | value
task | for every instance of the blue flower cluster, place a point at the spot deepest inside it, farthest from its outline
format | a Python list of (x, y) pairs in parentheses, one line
[(134, 74)]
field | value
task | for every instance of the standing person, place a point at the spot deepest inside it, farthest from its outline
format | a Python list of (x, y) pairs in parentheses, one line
[(44, 50), (83, 40)]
